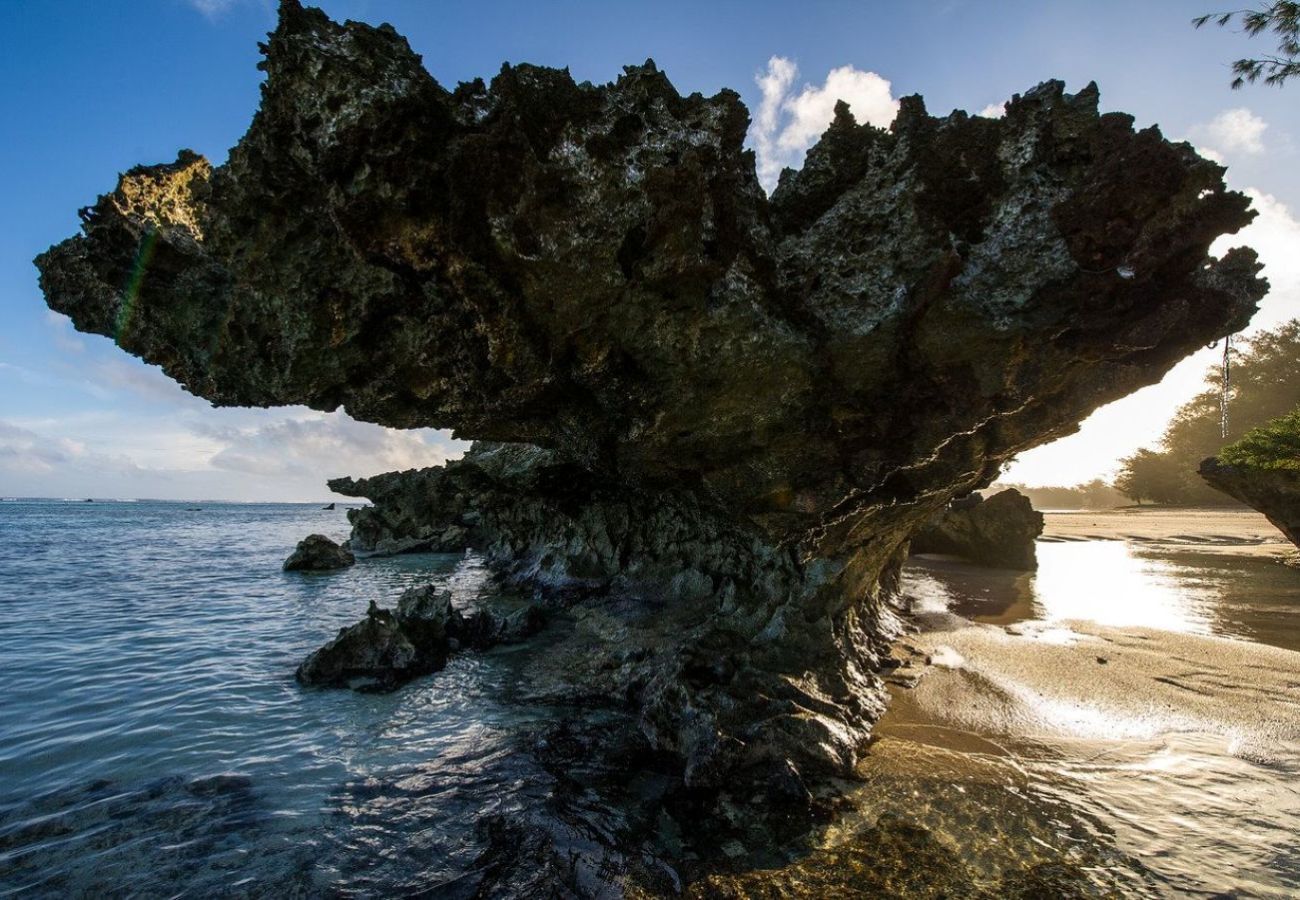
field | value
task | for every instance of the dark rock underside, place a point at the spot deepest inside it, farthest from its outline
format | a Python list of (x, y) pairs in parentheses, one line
[(1273, 492), (717, 417)]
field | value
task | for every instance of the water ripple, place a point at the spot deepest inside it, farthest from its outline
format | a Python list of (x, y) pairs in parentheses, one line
[(153, 736)]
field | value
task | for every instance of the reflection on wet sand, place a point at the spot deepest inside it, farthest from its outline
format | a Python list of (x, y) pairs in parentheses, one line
[(1132, 710), (1118, 584)]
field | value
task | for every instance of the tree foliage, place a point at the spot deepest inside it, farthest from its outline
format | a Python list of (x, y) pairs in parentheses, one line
[(1095, 494), (1148, 475), (1265, 385), (1273, 445), (1282, 20)]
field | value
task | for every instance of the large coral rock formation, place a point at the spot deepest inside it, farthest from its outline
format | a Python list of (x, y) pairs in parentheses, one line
[(735, 409), (1274, 492), (998, 532)]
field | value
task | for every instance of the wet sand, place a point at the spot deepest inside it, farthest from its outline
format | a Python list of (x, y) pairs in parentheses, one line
[(1133, 707), (1241, 532)]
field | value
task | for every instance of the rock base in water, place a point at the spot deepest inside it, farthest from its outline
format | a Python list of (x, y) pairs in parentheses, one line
[(998, 532), (317, 553), (1274, 492)]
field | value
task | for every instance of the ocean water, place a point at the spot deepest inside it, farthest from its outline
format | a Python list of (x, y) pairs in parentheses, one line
[(153, 741)]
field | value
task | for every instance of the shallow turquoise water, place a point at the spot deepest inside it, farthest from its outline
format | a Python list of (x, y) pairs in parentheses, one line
[(153, 740)]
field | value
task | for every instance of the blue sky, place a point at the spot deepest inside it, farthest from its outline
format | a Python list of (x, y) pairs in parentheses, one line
[(88, 89)]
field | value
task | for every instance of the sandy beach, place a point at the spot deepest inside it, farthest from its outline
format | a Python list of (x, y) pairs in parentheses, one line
[(1132, 705), (1232, 531)]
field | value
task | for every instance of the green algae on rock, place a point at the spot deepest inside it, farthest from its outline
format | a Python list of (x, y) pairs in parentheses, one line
[(726, 411)]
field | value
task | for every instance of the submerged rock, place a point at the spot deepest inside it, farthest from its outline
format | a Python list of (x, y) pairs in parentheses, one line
[(1274, 492), (317, 553), (892, 860), (723, 415), (998, 532)]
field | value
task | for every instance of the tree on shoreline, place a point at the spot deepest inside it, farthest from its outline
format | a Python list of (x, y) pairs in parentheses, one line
[(1148, 475), (1266, 385), (1094, 494)]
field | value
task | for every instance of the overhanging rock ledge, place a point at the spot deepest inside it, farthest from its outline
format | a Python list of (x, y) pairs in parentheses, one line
[(713, 418)]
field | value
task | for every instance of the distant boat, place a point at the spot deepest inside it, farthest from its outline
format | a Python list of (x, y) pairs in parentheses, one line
[(87, 500), (331, 506)]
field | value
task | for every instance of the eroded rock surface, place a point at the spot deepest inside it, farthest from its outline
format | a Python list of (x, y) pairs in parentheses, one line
[(998, 532), (374, 654), (388, 648), (1274, 492), (722, 415), (317, 553)]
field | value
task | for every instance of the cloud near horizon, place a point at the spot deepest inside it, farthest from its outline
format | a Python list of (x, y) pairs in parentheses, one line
[(179, 447), (789, 121), (297, 445)]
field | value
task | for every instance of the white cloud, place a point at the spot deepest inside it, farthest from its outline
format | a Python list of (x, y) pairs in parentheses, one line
[(789, 121), (141, 379), (1233, 131), (993, 111), (23, 450), (142, 435), (1211, 155), (212, 8), (239, 454), (1275, 235), (326, 444)]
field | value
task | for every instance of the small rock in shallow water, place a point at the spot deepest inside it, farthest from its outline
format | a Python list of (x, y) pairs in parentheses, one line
[(317, 553), (387, 649), (733, 849), (373, 654)]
